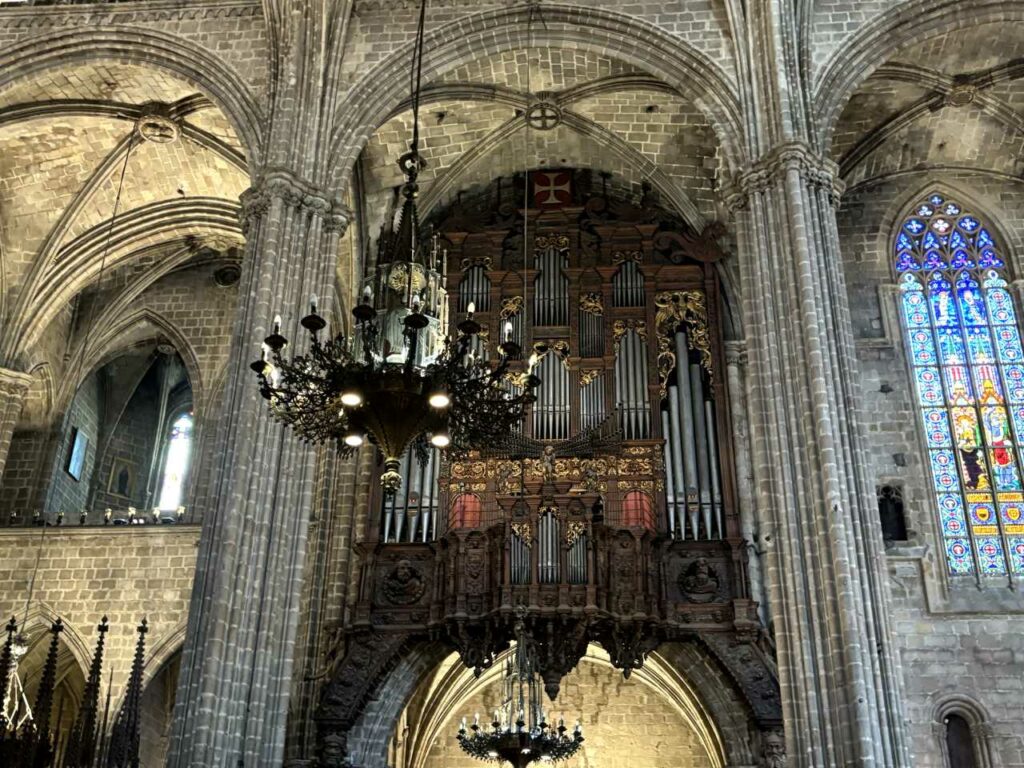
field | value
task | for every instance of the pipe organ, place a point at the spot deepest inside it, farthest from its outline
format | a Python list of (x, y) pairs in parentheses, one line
[(613, 505)]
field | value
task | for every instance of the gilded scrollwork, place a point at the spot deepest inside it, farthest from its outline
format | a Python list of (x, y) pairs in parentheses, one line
[(621, 327), (524, 531), (551, 241), (622, 256), (573, 530), (588, 376), (510, 307), (673, 308), (592, 303), (475, 261)]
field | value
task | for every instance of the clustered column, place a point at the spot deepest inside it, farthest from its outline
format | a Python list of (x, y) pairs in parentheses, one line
[(13, 388), (237, 663), (818, 526)]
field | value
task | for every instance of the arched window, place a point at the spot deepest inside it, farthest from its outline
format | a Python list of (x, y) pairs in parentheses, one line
[(176, 461), (959, 744), (968, 368)]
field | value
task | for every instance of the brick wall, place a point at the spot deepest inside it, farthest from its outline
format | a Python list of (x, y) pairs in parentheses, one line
[(85, 414)]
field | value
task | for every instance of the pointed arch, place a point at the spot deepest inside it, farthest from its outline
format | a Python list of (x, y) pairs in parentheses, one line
[(172, 53), (875, 42), (637, 42), (967, 364)]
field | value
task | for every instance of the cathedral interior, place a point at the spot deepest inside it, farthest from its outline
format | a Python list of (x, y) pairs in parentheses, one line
[(426, 383)]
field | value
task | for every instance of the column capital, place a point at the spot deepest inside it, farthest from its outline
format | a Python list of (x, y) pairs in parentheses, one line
[(296, 193), (13, 383), (736, 352), (815, 168)]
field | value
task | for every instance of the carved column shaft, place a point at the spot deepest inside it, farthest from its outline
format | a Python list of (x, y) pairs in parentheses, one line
[(13, 388), (236, 670), (824, 567)]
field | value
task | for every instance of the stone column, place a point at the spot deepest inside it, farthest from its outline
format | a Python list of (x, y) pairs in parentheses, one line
[(236, 672), (824, 564), (13, 388)]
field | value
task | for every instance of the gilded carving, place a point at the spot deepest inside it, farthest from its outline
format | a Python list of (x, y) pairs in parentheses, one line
[(524, 531), (621, 256), (621, 327), (588, 376), (673, 308), (592, 303), (476, 261), (573, 530), (551, 241), (510, 307)]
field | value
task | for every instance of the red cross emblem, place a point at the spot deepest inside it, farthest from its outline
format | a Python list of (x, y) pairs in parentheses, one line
[(552, 189)]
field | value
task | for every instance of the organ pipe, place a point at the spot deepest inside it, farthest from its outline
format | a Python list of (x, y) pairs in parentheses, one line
[(674, 462), (578, 560), (700, 434), (631, 386), (411, 516), (689, 445), (628, 286), (716, 490), (519, 553), (475, 288), (548, 548)]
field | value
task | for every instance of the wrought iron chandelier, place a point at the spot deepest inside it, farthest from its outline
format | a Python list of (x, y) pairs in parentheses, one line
[(397, 378), (519, 734)]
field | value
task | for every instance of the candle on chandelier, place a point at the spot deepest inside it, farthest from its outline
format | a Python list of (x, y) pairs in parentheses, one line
[(312, 304), (277, 323)]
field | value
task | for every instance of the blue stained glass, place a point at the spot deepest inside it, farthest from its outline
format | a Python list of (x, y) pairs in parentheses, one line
[(988, 386), (937, 427), (929, 241), (991, 561), (968, 223), (944, 471), (958, 385), (935, 199), (957, 240), (905, 261), (951, 346), (952, 209), (972, 306), (922, 346), (983, 239), (958, 555), (952, 514), (1014, 383), (989, 259), (1016, 553), (933, 260), (915, 310), (943, 308), (979, 344), (914, 226), (929, 386), (983, 514), (1017, 414), (904, 242), (925, 210), (1008, 343), (1000, 306), (960, 259)]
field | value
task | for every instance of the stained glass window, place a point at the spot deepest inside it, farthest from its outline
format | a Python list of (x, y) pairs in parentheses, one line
[(968, 369), (176, 460)]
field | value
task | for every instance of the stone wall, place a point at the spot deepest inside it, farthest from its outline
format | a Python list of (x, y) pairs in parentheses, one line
[(125, 573), (626, 724), (954, 639), (85, 415)]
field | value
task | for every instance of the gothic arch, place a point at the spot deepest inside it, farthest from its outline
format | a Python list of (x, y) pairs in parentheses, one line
[(133, 45), (875, 42), (1010, 244), (977, 717), (641, 44), (46, 289)]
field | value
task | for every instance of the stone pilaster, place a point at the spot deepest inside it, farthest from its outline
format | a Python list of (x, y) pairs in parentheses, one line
[(824, 564), (13, 388), (236, 673)]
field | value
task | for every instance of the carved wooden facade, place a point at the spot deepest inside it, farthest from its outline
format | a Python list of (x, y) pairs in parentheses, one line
[(611, 517)]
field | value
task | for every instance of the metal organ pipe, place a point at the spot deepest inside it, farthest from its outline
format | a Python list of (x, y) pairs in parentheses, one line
[(578, 560), (412, 515), (628, 286), (716, 490), (684, 405), (547, 541), (703, 468), (674, 462)]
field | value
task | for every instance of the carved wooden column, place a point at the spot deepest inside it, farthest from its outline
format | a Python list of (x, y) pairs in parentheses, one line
[(13, 388), (840, 685)]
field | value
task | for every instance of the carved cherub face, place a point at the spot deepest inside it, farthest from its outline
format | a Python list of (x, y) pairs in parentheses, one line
[(403, 571)]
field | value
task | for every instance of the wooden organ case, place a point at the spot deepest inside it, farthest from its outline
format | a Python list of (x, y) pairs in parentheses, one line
[(612, 516)]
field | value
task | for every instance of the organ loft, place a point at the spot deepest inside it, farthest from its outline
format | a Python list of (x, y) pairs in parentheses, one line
[(522, 383)]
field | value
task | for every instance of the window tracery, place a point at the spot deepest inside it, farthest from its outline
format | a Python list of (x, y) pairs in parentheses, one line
[(968, 369)]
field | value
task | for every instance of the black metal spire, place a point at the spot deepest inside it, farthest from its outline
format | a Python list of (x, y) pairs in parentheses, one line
[(124, 741), (81, 746), (39, 743)]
